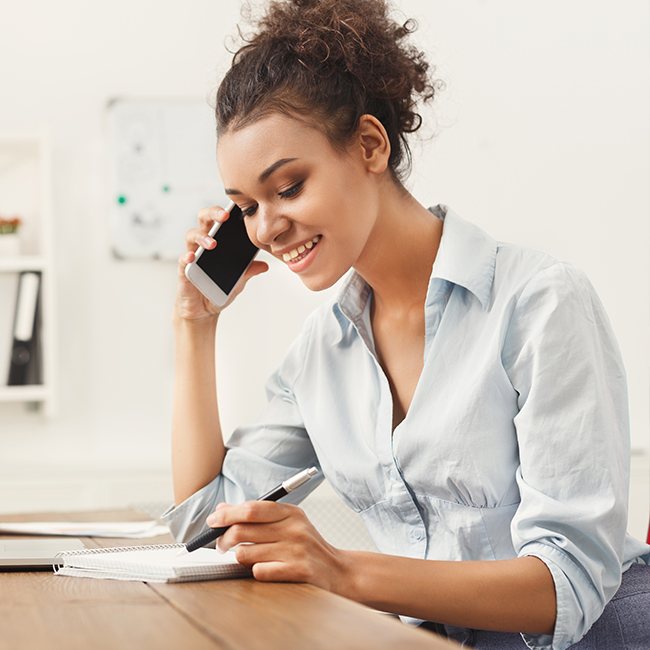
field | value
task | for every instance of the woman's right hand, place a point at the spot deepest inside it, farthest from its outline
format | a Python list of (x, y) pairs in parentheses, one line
[(191, 304)]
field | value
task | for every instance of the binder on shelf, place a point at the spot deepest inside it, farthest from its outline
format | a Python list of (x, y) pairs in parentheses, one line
[(25, 361), (8, 294)]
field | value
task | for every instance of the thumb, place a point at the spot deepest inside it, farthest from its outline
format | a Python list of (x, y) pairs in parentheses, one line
[(257, 268)]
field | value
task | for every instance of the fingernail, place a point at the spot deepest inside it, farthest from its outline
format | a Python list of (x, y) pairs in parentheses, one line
[(207, 242), (211, 520)]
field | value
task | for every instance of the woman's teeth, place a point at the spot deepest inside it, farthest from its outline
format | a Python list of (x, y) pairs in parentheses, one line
[(301, 251)]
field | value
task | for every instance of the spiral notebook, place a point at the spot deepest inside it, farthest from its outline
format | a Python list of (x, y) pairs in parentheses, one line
[(150, 563)]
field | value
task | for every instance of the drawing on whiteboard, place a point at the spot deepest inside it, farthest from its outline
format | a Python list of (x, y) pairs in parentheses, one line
[(163, 171)]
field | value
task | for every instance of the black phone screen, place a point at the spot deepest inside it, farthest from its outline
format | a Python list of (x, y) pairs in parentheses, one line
[(226, 262)]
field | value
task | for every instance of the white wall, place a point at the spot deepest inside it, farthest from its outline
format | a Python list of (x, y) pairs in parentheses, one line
[(542, 139)]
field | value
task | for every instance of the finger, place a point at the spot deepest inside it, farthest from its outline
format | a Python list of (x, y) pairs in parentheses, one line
[(251, 512), (253, 533), (197, 237), (183, 261), (280, 572), (256, 268), (207, 217), (270, 572), (249, 554), (295, 531)]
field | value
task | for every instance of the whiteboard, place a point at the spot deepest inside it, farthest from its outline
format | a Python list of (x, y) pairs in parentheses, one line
[(163, 170)]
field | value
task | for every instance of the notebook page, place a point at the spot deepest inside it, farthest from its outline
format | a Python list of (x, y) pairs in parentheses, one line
[(154, 563)]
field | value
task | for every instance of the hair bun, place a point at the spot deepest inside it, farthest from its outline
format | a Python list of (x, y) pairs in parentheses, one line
[(341, 57)]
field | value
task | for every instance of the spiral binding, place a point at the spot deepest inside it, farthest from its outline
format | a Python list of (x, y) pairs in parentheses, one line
[(112, 549), (120, 549)]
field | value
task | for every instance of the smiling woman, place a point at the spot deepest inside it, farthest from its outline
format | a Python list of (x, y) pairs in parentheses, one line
[(320, 193), (466, 396)]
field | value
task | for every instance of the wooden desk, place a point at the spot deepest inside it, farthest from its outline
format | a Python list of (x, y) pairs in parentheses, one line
[(41, 611)]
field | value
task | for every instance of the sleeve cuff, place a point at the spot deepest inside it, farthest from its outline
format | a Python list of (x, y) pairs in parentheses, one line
[(187, 519), (570, 621)]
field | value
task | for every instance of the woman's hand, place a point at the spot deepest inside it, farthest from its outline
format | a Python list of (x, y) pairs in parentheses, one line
[(285, 545), (191, 304)]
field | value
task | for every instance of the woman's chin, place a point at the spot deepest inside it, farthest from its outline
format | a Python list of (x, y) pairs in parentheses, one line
[(320, 282)]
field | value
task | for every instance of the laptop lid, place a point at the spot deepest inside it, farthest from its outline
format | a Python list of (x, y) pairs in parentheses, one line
[(29, 554)]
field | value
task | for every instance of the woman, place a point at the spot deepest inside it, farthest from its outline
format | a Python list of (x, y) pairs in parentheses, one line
[(467, 397)]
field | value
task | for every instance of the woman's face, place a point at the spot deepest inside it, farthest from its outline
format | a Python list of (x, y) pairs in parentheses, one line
[(300, 195)]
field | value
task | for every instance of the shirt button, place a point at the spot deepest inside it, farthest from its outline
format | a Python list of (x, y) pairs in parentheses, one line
[(416, 535)]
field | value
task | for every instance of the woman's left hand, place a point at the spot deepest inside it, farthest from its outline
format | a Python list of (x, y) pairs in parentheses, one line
[(285, 545)]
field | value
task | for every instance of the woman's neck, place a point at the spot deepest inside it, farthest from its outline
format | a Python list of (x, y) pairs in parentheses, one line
[(399, 255)]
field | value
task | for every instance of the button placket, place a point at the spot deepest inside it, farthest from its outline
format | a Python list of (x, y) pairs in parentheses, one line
[(385, 408), (398, 491)]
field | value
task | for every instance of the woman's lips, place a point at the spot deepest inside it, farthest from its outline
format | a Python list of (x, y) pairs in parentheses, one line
[(303, 260), (300, 251)]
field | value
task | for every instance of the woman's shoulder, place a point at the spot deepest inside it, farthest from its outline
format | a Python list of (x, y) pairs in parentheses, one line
[(520, 261), (536, 287), (487, 265), (522, 268)]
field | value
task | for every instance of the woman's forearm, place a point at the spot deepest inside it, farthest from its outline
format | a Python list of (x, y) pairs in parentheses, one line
[(197, 442), (515, 595)]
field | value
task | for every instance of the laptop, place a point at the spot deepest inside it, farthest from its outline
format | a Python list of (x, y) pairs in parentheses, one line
[(34, 554)]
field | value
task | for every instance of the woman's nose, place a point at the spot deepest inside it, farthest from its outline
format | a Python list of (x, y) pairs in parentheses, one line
[(269, 226)]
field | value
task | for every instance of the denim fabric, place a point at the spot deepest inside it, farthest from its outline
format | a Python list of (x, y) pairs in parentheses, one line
[(623, 625)]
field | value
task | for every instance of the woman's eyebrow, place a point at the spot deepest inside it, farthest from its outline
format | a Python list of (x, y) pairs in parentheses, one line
[(266, 173)]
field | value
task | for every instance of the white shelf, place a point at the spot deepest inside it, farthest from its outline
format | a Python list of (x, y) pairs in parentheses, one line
[(25, 191), (24, 393), (22, 263)]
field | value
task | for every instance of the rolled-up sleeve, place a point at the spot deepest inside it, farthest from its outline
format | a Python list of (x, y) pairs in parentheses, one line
[(572, 427), (258, 457)]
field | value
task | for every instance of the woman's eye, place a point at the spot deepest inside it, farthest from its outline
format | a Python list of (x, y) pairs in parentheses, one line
[(292, 191), (286, 194)]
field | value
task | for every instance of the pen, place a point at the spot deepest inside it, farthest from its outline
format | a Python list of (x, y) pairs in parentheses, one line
[(276, 493)]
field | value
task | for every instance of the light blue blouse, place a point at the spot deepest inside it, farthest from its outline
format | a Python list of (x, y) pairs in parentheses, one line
[(516, 441)]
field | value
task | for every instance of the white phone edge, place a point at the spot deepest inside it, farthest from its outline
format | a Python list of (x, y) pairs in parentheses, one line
[(202, 280)]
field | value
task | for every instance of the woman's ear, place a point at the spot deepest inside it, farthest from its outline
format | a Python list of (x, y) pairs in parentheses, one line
[(374, 144)]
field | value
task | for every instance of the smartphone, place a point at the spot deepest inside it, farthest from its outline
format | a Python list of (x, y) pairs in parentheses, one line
[(217, 272)]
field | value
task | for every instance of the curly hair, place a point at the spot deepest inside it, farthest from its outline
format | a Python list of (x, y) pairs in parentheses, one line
[(330, 62)]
